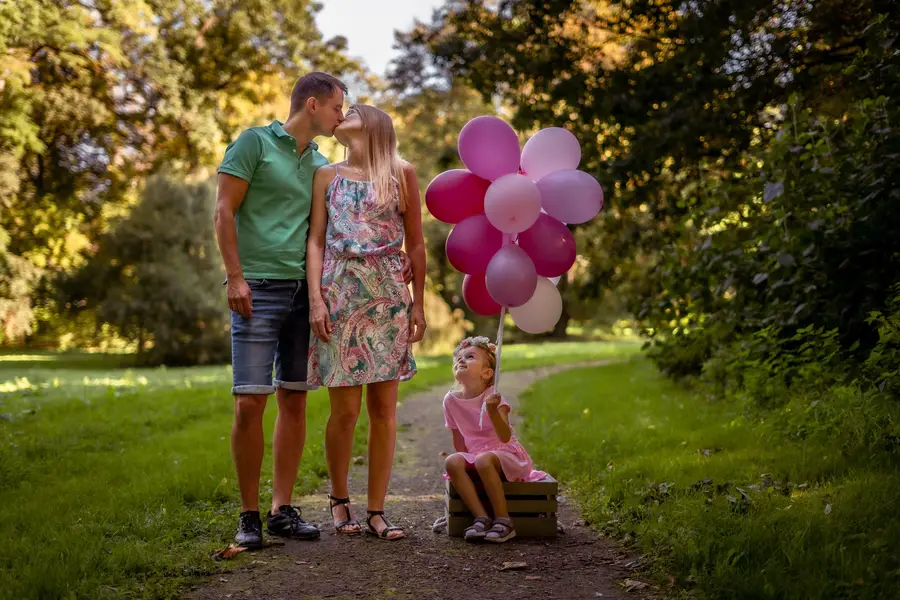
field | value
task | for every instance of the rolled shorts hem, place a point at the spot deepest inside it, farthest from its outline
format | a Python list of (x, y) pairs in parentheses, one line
[(268, 390), (296, 386)]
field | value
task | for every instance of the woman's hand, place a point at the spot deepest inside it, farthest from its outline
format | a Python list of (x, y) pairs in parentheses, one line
[(319, 321), (417, 324)]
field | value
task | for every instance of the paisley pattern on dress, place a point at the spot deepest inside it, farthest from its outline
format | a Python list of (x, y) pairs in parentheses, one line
[(368, 303)]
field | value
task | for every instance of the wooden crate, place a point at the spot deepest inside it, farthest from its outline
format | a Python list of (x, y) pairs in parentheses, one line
[(532, 507)]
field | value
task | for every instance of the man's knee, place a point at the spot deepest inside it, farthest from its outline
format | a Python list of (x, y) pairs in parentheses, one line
[(292, 404), (248, 410)]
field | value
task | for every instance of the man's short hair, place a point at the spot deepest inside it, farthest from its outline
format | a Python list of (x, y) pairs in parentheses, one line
[(318, 85)]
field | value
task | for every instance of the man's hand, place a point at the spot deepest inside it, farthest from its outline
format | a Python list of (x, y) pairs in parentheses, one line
[(319, 321), (406, 270), (493, 401), (417, 324), (239, 298)]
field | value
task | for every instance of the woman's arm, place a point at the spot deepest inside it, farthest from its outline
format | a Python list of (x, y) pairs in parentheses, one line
[(315, 253), (415, 248)]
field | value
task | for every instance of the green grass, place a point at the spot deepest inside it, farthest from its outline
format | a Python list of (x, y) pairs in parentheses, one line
[(118, 482), (719, 502)]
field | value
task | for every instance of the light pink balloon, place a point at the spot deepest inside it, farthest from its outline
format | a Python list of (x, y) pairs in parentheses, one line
[(542, 311), (550, 150), (512, 203), (511, 277), (571, 196), (472, 243), (489, 147), (477, 297), (456, 194)]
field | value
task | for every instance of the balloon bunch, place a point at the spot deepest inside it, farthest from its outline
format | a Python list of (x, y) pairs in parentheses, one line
[(509, 209)]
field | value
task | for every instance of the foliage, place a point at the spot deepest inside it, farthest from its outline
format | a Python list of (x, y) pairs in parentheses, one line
[(748, 145), (95, 96), (157, 278)]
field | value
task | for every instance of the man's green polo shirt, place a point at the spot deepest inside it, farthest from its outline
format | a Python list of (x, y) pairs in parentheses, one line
[(273, 221)]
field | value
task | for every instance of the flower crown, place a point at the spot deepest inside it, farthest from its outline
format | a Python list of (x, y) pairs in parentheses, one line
[(479, 341)]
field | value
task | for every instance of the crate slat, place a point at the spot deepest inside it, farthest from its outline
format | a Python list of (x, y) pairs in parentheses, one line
[(513, 505)]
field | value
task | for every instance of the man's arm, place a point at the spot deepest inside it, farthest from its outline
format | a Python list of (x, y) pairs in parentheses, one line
[(229, 197)]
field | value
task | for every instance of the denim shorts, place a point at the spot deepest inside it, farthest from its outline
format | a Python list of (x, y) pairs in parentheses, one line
[(277, 333)]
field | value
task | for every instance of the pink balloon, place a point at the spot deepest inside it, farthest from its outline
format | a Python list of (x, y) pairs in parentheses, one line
[(489, 147), (550, 150), (456, 194), (512, 203), (550, 245), (472, 243), (477, 297), (571, 196), (511, 278)]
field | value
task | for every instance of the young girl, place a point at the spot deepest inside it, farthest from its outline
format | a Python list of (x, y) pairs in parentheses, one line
[(487, 444)]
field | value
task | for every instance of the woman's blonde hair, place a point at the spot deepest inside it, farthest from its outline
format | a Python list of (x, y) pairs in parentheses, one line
[(490, 349), (382, 161)]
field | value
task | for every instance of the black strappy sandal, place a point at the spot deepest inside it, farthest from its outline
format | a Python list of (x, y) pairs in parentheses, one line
[(384, 532), (341, 526)]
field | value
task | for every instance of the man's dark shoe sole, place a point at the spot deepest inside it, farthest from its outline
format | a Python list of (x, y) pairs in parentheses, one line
[(249, 545), (306, 537)]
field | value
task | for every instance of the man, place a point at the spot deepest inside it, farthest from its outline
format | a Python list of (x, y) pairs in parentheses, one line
[(261, 221)]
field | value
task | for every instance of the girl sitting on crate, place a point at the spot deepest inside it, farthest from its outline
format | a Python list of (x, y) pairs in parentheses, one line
[(487, 445)]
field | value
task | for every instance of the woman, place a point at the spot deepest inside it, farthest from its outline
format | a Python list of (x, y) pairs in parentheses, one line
[(363, 319)]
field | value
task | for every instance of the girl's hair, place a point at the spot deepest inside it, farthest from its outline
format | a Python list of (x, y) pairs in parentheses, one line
[(382, 161), (490, 349)]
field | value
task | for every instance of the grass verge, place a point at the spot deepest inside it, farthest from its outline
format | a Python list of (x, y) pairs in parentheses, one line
[(721, 506)]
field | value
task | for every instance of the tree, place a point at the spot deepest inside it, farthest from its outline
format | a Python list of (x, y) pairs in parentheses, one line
[(96, 96), (157, 278)]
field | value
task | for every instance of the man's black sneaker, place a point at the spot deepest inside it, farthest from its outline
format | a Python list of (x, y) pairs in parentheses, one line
[(249, 533), (289, 523)]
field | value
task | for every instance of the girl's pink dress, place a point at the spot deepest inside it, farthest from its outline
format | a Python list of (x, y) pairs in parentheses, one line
[(463, 414)]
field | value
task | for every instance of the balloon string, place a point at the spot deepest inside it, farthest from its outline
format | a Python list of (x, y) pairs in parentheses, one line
[(496, 367)]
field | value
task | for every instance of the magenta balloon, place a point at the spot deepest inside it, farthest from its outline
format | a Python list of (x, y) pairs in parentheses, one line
[(472, 243), (477, 297), (489, 147), (511, 277), (550, 245), (456, 194), (571, 196)]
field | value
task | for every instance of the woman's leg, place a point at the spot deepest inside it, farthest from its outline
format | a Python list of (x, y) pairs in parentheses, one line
[(489, 470), (381, 404), (456, 469), (345, 405)]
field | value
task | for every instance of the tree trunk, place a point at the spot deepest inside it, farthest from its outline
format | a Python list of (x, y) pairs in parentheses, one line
[(559, 331)]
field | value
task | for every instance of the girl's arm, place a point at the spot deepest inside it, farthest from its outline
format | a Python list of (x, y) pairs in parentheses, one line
[(499, 417), (459, 442), (315, 253), (415, 248)]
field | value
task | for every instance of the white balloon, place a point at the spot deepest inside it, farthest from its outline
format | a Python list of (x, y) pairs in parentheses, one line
[(555, 280), (542, 311)]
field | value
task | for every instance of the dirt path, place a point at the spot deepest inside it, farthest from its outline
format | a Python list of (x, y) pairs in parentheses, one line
[(426, 565)]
